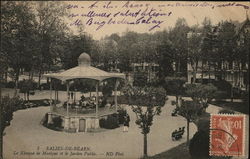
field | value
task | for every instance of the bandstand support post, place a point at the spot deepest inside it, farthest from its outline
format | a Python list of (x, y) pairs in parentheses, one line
[(66, 118), (67, 83), (97, 98), (97, 107), (55, 97), (50, 97), (50, 103), (116, 85)]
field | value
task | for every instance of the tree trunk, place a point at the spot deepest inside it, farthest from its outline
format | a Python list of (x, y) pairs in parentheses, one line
[(24, 96), (145, 146), (39, 78), (16, 81), (187, 132), (209, 78), (177, 101), (194, 77), (6, 76), (202, 65), (32, 74), (179, 66), (57, 95), (28, 96)]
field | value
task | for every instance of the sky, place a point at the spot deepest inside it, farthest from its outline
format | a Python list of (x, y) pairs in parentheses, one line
[(193, 15)]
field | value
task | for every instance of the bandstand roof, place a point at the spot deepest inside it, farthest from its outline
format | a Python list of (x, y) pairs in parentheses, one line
[(84, 70)]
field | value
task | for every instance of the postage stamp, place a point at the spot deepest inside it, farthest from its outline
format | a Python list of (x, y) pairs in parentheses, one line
[(227, 135)]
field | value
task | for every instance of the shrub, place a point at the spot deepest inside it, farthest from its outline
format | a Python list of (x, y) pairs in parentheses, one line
[(223, 85), (110, 123), (57, 122), (226, 111), (221, 95), (44, 86), (140, 79), (9, 105), (107, 90), (199, 145), (121, 115), (102, 123), (45, 120), (10, 84), (203, 124)]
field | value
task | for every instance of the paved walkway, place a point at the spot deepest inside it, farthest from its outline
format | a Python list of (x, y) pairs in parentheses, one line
[(26, 134)]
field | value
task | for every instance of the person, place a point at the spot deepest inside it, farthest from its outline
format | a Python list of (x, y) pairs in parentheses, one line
[(126, 122), (82, 98), (174, 134)]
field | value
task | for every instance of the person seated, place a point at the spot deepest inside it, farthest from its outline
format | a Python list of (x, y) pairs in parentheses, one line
[(100, 100), (108, 105), (93, 98), (84, 103), (103, 103), (174, 135), (183, 129)]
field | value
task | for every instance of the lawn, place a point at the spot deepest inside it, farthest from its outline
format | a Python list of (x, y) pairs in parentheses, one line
[(178, 152), (242, 107)]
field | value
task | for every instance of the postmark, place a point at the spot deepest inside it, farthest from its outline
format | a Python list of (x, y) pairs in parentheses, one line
[(227, 135)]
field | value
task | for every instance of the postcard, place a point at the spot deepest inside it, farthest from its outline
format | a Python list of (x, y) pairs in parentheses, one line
[(124, 79)]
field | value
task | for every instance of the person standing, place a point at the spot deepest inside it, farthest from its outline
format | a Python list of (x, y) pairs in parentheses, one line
[(126, 122)]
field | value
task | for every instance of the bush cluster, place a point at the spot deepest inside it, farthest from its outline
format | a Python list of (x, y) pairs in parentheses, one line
[(111, 122), (9, 105)]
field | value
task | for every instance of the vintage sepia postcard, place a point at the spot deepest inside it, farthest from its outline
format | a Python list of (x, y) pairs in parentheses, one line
[(124, 80)]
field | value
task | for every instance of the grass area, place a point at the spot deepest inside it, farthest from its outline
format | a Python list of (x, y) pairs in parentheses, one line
[(242, 107), (178, 152)]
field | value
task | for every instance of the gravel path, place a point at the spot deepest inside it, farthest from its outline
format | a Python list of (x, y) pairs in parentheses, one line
[(26, 134)]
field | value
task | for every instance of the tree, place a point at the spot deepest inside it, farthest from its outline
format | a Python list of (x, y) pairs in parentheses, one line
[(125, 54), (189, 110), (201, 93), (194, 49), (50, 30), (25, 87), (17, 30), (175, 86), (178, 36), (9, 105), (146, 102), (165, 55), (206, 46)]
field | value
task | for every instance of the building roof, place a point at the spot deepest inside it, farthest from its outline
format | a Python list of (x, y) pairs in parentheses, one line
[(84, 70)]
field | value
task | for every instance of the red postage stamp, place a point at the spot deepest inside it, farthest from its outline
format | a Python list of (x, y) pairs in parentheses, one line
[(227, 135)]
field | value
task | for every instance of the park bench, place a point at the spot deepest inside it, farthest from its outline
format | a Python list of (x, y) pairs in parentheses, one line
[(176, 135)]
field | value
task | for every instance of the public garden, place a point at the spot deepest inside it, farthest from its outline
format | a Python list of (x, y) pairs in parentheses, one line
[(168, 82)]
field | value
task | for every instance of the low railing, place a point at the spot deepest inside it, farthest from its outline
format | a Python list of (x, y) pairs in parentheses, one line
[(76, 111)]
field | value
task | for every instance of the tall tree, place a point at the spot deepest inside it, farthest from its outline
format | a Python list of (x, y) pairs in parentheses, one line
[(206, 45), (50, 30), (201, 93), (178, 36), (194, 49), (17, 28), (146, 102), (189, 110), (175, 86)]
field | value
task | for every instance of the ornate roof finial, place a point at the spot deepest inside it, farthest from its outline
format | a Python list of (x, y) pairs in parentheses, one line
[(84, 60)]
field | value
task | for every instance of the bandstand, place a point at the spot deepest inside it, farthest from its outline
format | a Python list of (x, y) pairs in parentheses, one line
[(75, 115)]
